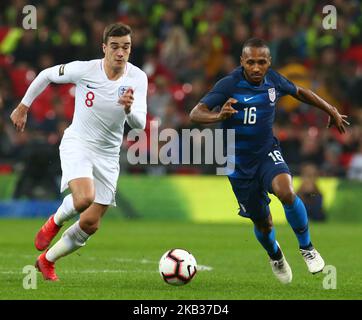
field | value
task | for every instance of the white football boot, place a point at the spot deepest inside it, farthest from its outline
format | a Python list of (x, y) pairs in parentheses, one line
[(313, 260), (281, 269)]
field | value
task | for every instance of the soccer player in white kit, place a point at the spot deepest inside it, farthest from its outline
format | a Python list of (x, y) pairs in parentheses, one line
[(108, 92)]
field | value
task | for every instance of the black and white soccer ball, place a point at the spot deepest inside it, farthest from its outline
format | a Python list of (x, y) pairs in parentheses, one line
[(177, 267)]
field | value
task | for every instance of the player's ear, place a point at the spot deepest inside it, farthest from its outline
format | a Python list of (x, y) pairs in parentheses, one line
[(269, 61), (241, 60), (104, 47)]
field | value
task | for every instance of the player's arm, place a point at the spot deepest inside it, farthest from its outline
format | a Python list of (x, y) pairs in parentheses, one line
[(134, 102), (219, 95), (335, 118), (201, 113), (69, 73)]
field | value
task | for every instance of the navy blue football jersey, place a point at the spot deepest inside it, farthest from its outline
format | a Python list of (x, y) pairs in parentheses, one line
[(253, 124)]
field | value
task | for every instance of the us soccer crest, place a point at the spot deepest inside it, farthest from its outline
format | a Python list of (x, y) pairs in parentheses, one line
[(122, 90), (272, 94)]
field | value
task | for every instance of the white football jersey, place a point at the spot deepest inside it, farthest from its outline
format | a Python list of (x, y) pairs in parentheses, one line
[(98, 118)]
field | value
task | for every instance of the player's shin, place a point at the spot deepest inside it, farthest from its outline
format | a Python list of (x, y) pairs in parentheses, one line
[(267, 240), (66, 211), (72, 239), (297, 217)]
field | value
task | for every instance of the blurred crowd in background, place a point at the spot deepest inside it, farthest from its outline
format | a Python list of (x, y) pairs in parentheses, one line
[(185, 46)]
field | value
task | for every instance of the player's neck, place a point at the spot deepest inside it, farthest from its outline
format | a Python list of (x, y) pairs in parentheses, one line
[(251, 81), (113, 73)]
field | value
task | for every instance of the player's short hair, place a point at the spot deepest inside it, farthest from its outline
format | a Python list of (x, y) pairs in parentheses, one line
[(254, 43), (116, 30)]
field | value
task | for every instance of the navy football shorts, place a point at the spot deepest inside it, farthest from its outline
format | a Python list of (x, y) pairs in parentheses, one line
[(252, 194)]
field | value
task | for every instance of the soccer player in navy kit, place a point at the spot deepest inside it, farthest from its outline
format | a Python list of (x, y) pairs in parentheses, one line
[(247, 97)]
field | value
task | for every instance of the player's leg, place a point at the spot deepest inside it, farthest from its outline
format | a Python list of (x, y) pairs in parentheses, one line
[(99, 193), (265, 233), (294, 208), (72, 239), (81, 197), (276, 178), (254, 204), (77, 174), (297, 217), (77, 234)]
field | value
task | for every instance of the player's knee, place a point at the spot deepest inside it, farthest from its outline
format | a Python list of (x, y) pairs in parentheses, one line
[(89, 226), (265, 230), (286, 196), (82, 202), (264, 226)]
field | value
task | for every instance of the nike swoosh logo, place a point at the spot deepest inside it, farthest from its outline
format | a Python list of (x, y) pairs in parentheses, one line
[(90, 87), (279, 162), (247, 99)]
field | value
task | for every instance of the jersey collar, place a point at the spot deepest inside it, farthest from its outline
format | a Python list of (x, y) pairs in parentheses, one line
[(126, 69)]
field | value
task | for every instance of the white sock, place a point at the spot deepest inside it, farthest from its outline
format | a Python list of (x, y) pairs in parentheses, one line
[(66, 211), (72, 239)]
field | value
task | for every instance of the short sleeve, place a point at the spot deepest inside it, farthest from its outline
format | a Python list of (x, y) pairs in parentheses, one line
[(219, 94), (286, 87)]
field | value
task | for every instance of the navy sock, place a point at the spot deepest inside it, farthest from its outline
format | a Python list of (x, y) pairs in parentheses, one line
[(269, 243), (297, 217)]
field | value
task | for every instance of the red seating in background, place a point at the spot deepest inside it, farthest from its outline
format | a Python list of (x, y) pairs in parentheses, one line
[(5, 168), (66, 93), (43, 104), (21, 77)]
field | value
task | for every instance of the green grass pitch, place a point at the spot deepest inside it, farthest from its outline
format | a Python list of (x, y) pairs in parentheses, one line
[(121, 262)]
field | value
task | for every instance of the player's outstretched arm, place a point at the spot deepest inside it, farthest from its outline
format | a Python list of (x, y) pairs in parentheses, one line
[(335, 118), (19, 114), (69, 73), (202, 114)]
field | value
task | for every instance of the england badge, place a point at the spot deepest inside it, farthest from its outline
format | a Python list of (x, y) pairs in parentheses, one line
[(122, 90)]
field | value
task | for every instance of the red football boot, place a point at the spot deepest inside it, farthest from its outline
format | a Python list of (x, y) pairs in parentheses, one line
[(46, 268), (46, 234)]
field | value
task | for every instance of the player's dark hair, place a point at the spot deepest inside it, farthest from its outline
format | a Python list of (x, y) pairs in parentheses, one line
[(116, 30), (254, 43)]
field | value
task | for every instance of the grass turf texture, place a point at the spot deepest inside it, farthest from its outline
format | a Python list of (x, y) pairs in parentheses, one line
[(121, 262)]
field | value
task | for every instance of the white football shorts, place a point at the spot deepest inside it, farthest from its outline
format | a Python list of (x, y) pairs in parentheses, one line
[(80, 161)]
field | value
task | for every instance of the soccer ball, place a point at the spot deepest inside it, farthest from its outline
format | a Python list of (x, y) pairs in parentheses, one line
[(177, 267)]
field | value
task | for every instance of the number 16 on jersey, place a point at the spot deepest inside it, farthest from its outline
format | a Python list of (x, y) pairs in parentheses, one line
[(250, 115), (276, 156)]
